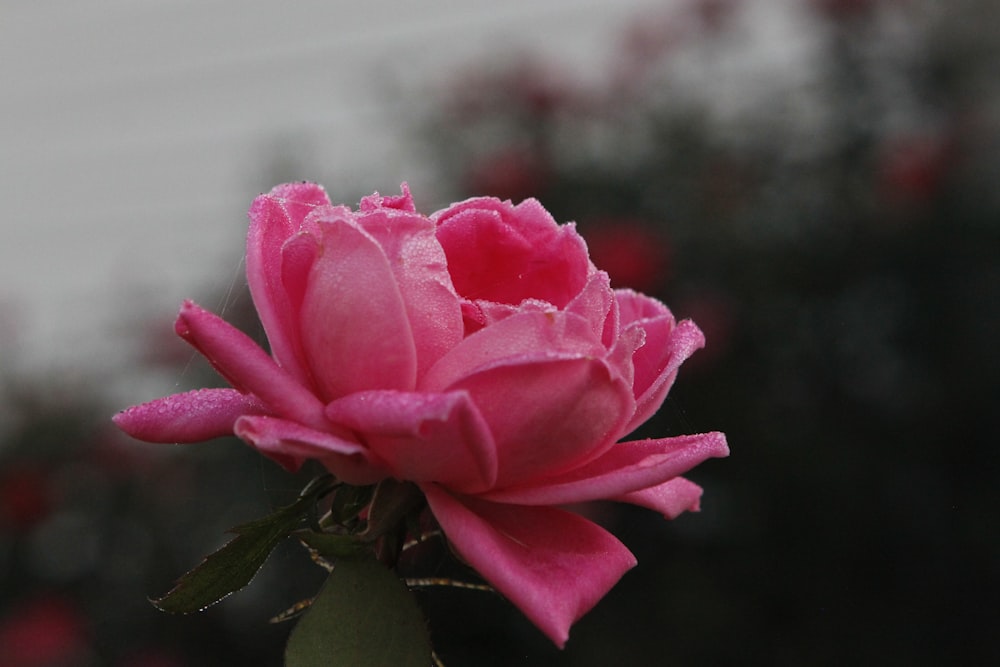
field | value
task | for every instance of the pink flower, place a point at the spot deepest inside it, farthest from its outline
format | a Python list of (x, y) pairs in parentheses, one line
[(477, 353), (631, 253)]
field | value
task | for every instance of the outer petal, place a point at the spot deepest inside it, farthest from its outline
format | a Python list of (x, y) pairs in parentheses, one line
[(290, 444), (355, 329), (548, 416), (246, 366), (667, 346), (670, 499), (274, 218), (505, 253), (297, 257), (193, 416), (552, 564), (423, 437), (625, 468), (510, 369)]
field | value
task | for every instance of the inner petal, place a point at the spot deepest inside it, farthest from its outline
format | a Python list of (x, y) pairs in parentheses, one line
[(354, 325)]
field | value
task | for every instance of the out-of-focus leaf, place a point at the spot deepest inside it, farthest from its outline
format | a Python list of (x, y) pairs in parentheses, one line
[(364, 615), (233, 566)]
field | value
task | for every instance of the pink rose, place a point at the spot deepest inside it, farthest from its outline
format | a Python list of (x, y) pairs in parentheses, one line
[(477, 353)]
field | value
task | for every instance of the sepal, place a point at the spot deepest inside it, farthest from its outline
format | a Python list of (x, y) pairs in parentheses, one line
[(363, 615)]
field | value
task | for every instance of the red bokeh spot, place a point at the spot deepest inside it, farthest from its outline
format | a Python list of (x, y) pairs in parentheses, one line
[(47, 631), (633, 255), (24, 497)]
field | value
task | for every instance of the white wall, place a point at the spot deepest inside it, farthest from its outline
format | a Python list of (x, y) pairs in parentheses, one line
[(133, 135)]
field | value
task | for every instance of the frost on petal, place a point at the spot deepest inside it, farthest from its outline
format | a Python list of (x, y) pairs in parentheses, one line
[(552, 564), (298, 200), (193, 416), (657, 362), (505, 253), (542, 384), (667, 345), (635, 306), (400, 202), (246, 366), (548, 416), (297, 257), (290, 444), (420, 270), (671, 499), (423, 437), (274, 218), (625, 468), (355, 329), (527, 335), (597, 304)]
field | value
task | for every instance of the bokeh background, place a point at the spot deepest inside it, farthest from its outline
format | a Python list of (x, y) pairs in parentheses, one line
[(814, 182)]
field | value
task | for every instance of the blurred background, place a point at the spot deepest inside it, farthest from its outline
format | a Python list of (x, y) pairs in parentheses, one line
[(814, 182)]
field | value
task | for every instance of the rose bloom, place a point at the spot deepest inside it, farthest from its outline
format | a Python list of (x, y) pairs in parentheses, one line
[(477, 353)]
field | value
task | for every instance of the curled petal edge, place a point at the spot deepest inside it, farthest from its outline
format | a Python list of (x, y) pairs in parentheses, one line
[(290, 444), (628, 467), (683, 340)]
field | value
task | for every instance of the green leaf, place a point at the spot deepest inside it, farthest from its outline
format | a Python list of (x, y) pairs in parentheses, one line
[(233, 566), (363, 615)]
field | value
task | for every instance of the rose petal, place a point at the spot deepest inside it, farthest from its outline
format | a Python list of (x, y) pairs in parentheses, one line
[(596, 303), (354, 324), (529, 335), (661, 360), (423, 437), (668, 345), (246, 366), (290, 443), (625, 468), (275, 217), (297, 257), (548, 416), (401, 202), (671, 499), (196, 415), (505, 253), (552, 564), (634, 306), (420, 270)]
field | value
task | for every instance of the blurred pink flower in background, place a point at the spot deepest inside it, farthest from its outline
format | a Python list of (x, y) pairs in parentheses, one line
[(45, 631), (912, 167), (527, 87), (630, 252), (510, 173), (25, 498)]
